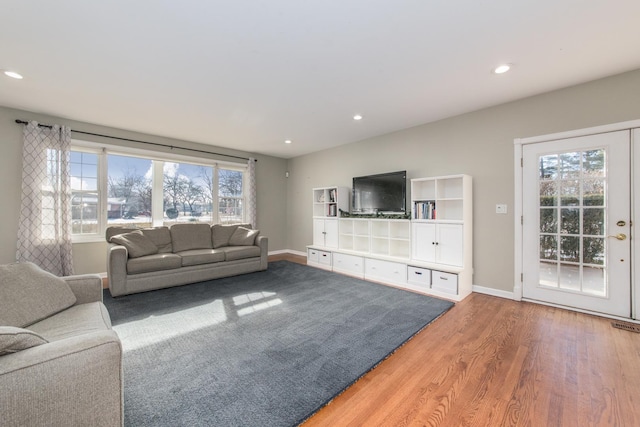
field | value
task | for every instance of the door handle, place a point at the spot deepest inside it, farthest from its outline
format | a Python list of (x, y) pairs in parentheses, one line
[(620, 236)]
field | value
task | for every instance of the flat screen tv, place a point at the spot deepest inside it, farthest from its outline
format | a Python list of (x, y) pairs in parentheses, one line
[(381, 193)]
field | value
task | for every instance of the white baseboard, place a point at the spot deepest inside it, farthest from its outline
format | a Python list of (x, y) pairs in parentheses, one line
[(288, 251), (493, 292)]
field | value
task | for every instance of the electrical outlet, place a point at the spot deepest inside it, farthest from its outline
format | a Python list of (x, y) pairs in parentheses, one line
[(501, 209)]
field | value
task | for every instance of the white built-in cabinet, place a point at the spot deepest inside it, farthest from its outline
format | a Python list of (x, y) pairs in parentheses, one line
[(430, 253), (327, 203)]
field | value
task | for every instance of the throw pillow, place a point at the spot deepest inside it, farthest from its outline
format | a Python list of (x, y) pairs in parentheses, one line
[(220, 234), (13, 340), (137, 244), (29, 294), (161, 237), (243, 237)]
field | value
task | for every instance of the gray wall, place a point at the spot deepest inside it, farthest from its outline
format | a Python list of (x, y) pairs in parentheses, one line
[(480, 144), (91, 257)]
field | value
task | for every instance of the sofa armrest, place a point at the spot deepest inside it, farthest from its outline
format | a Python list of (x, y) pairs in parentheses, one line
[(74, 381), (263, 243), (117, 257), (86, 287)]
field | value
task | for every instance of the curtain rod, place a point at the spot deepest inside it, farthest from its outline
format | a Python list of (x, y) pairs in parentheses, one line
[(24, 122)]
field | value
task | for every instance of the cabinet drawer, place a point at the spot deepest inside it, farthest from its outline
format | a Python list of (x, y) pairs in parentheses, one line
[(385, 271), (324, 257), (312, 255), (419, 276), (348, 264), (444, 282)]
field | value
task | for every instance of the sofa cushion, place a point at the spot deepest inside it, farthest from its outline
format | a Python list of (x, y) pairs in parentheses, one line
[(220, 234), (13, 340), (201, 256), (161, 237), (186, 237), (29, 294), (137, 244), (77, 320), (241, 252), (243, 237), (154, 262), (114, 230)]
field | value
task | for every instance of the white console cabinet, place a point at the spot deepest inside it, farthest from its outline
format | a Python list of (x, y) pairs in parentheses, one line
[(431, 253)]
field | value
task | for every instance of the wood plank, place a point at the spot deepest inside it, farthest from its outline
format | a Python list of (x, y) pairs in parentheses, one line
[(491, 361)]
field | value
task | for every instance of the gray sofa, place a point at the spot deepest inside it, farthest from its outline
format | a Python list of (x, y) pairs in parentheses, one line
[(154, 258), (60, 362)]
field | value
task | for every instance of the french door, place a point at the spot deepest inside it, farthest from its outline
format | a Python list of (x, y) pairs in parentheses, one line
[(576, 207)]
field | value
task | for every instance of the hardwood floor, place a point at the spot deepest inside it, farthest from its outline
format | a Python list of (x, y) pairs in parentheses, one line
[(496, 362)]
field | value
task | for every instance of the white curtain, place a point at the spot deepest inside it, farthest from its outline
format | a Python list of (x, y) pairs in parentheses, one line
[(44, 231), (252, 213)]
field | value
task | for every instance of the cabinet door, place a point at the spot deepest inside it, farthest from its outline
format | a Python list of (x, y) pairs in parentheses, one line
[(318, 231), (423, 242), (331, 233), (449, 244)]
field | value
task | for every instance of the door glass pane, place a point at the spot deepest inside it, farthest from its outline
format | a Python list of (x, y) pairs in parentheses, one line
[(570, 248), (570, 277), (593, 221), (593, 192), (549, 274), (593, 250), (548, 193), (570, 165), (548, 248), (570, 193), (593, 281), (548, 220), (548, 167), (570, 221), (572, 235)]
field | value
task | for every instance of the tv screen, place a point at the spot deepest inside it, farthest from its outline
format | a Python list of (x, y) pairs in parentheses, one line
[(385, 192)]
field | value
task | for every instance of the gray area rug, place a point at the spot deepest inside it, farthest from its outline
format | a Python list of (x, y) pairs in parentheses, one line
[(261, 349)]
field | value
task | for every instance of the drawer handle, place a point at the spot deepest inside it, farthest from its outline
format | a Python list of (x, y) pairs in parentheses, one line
[(444, 278), (419, 273), (324, 255)]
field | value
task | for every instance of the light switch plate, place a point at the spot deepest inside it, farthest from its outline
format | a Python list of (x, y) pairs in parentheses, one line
[(501, 209)]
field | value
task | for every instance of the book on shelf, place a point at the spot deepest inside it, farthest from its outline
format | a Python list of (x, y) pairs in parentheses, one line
[(332, 195), (425, 209), (333, 210)]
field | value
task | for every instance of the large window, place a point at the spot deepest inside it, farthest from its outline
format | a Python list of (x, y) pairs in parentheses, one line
[(122, 189)]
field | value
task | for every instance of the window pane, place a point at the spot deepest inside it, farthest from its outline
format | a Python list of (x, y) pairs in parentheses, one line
[(84, 213), (230, 196), (129, 184), (84, 197), (187, 193)]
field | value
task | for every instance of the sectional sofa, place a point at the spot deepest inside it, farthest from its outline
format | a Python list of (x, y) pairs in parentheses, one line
[(141, 260)]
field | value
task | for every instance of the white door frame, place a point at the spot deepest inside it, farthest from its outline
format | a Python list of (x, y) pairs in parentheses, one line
[(635, 211)]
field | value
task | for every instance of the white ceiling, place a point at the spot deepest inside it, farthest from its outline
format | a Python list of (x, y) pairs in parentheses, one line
[(249, 74)]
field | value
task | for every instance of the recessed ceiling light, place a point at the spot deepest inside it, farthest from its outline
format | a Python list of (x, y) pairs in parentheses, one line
[(501, 69), (357, 117), (13, 74), (288, 141)]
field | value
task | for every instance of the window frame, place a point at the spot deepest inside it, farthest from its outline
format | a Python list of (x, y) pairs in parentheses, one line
[(158, 159)]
